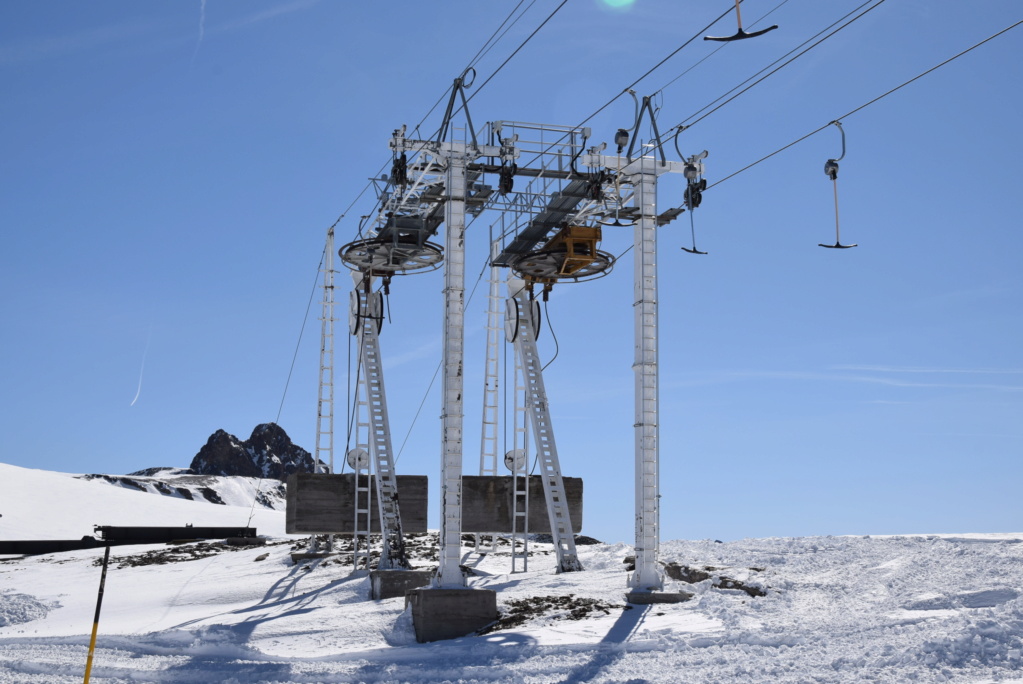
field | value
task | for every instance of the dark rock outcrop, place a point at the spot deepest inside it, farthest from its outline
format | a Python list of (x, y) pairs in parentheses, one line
[(268, 453)]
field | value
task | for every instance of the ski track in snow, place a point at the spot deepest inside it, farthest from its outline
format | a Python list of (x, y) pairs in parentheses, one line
[(838, 609)]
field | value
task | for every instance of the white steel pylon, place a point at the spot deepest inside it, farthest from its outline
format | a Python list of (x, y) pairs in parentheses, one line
[(448, 161), (521, 310), (642, 174), (373, 420), (647, 576)]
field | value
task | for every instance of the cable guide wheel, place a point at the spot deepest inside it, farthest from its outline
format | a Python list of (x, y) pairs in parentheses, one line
[(571, 255), (386, 256)]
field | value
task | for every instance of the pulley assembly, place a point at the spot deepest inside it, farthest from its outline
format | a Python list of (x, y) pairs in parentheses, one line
[(571, 255)]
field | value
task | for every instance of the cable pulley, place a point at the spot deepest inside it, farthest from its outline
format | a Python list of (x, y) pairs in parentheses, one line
[(399, 170), (695, 185), (831, 171), (506, 178), (740, 35)]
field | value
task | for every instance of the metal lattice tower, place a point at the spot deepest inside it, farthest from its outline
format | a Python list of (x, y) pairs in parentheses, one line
[(325, 401)]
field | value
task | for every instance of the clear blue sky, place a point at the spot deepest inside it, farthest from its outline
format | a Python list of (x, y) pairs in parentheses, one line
[(169, 170)]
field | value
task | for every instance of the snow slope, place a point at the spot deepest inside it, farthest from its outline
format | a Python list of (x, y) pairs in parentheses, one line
[(837, 609), (38, 504)]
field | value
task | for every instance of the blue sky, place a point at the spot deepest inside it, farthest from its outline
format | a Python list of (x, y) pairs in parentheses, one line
[(169, 171)]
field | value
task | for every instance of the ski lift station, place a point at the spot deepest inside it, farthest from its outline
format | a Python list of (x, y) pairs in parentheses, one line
[(555, 190)]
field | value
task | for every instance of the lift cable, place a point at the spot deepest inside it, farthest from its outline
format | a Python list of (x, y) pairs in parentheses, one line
[(353, 406), (682, 126), (720, 47), (305, 320), (516, 51), (494, 38), (850, 113), (487, 46), (480, 54), (867, 104), (429, 387), (652, 69), (550, 326), (629, 87), (598, 111), (811, 38), (291, 370), (498, 70)]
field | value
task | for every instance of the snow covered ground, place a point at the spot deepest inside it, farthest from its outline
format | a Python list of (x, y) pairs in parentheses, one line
[(837, 609)]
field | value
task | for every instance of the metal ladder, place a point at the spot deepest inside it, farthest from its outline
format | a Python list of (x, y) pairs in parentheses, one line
[(520, 474), (374, 399), (543, 434), (358, 459), (487, 543)]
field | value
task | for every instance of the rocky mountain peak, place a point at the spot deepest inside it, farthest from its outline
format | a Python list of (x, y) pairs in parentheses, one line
[(268, 452)]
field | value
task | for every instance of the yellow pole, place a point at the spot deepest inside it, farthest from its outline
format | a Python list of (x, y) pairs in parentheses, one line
[(95, 621)]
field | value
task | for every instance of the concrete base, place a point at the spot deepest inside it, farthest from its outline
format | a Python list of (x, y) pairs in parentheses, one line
[(385, 584), (299, 557), (641, 598), (450, 613), (246, 541)]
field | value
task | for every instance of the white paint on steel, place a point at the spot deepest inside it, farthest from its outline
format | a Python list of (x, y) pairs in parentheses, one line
[(543, 431), (449, 574), (372, 390)]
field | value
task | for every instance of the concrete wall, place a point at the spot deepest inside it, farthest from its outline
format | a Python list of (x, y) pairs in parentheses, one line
[(321, 503), (487, 504)]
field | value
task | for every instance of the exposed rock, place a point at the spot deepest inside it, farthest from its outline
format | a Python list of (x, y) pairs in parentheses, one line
[(580, 539), (161, 470), (268, 452), (684, 573), (521, 611)]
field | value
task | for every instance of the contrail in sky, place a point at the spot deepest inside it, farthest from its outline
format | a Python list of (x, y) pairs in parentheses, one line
[(202, 27), (142, 370)]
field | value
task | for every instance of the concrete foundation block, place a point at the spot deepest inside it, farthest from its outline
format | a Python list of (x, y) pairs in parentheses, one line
[(246, 541), (299, 557), (385, 584), (487, 504), (640, 598), (450, 613), (323, 503)]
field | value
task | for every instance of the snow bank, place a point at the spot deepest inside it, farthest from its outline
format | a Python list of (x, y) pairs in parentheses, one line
[(837, 609), (38, 504)]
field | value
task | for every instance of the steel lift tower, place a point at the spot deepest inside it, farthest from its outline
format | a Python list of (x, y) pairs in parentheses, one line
[(442, 184)]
